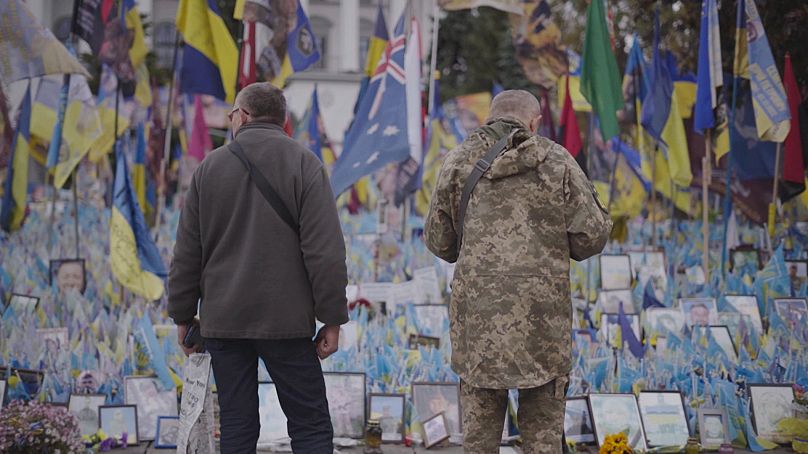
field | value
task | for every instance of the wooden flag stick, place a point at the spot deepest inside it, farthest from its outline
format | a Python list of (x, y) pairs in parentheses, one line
[(706, 170)]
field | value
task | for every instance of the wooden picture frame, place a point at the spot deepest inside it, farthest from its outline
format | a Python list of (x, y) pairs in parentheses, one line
[(711, 421), (346, 392), (389, 410), (610, 413), (431, 398), (112, 425), (769, 403), (578, 427), (658, 409), (436, 430), (167, 432)]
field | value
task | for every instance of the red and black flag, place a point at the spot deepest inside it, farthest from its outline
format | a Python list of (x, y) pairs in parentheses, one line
[(569, 133), (795, 154)]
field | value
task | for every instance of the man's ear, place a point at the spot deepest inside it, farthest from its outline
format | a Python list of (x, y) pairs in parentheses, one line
[(534, 124)]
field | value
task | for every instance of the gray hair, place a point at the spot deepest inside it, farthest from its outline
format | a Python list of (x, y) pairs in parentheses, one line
[(264, 102), (519, 104)]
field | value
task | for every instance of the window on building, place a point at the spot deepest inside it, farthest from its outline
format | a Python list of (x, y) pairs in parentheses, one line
[(365, 33), (321, 28), (164, 37)]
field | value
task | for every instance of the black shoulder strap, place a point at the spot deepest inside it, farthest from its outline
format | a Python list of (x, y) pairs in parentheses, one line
[(476, 173), (265, 188)]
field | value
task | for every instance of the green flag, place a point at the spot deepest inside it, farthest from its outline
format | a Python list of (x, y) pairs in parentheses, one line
[(600, 79)]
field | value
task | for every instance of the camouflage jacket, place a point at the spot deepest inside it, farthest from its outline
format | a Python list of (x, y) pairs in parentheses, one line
[(533, 210)]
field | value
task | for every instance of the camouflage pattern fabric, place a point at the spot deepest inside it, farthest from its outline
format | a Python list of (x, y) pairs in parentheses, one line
[(533, 210)]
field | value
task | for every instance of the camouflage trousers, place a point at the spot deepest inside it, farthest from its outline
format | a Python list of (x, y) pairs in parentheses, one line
[(540, 417)]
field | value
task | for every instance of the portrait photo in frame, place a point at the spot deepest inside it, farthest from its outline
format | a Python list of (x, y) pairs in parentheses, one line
[(388, 409), (578, 421), (770, 403), (797, 273), (417, 340), (436, 430), (614, 413), (713, 427), (698, 311), (615, 272), (747, 305), (273, 420), (68, 274), (346, 403), (430, 399), (745, 256), (85, 408), (151, 400), (664, 320), (664, 418), (793, 311), (168, 428), (22, 304), (116, 420)]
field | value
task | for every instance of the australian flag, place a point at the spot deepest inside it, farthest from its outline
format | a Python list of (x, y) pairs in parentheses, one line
[(378, 135)]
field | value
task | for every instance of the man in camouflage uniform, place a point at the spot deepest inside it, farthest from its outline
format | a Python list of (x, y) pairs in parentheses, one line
[(510, 313)]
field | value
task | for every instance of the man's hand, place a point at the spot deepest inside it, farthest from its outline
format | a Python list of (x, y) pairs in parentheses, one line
[(182, 331), (327, 341)]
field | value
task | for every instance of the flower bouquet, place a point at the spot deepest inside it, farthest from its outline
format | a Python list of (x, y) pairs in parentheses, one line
[(35, 427), (616, 444), (102, 442), (798, 424)]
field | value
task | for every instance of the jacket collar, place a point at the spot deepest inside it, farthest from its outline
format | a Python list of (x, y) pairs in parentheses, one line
[(260, 125)]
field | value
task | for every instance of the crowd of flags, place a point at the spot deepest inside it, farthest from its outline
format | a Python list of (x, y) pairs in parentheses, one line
[(391, 129)]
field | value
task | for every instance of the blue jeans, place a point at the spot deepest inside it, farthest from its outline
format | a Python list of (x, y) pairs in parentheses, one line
[(294, 368)]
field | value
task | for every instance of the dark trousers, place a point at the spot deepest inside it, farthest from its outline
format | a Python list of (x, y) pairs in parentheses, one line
[(294, 368)]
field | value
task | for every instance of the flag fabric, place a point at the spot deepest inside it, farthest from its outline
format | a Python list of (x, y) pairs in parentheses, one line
[(795, 153), (656, 106), (377, 136), (134, 258), (537, 41), (137, 54), (27, 49), (509, 6), (628, 335), (409, 172), (210, 56), (600, 79), (6, 132), (139, 166), (754, 61), (440, 142), (81, 124), (200, 143), (90, 18), (710, 75), (15, 191), (569, 132), (377, 44), (312, 135), (649, 298), (247, 73)]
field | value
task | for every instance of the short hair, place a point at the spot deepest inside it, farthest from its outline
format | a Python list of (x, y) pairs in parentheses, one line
[(519, 104), (264, 102)]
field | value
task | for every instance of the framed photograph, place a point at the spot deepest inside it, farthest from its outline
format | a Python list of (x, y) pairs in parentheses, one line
[(744, 256), (85, 408), (614, 413), (664, 320), (429, 399), (609, 301), (770, 404), (698, 311), (152, 401), (3, 386), (273, 420), (117, 420), (797, 273), (713, 427), (23, 304), (55, 339), (610, 329), (649, 265), (722, 337), (615, 272), (417, 340), (31, 379), (747, 305), (431, 318), (388, 409), (793, 311), (68, 274), (664, 418), (168, 427), (435, 430), (346, 403), (578, 421)]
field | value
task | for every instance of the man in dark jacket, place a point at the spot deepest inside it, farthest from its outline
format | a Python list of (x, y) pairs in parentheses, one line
[(258, 281)]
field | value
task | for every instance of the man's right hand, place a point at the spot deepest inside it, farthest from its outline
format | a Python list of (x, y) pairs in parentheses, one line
[(182, 331), (327, 341)]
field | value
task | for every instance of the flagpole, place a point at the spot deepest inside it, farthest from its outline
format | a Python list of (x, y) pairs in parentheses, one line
[(433, 65), (773, 204), (76, 209), (612, 179), (589, 147), (706, 169), (653, 194), (161, 200)]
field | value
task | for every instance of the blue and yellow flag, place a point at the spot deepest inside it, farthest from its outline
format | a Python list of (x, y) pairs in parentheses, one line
[(134, 257), (16, 185), (301, 49), (139, 166), (312, 135), (210, 57), (709, 73), (378, 42), (137, 53)]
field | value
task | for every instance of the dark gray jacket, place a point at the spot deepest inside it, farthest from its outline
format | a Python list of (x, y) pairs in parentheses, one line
[(256, 279)]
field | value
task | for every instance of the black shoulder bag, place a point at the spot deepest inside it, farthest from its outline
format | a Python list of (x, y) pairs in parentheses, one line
[(476, 173), (265, 188)]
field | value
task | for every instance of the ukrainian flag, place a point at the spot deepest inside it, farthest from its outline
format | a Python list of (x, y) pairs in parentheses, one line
[(210, 57), (134, 257), (139, 167), (16, 185), (301, 49), (378, 42), (313, 135)]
